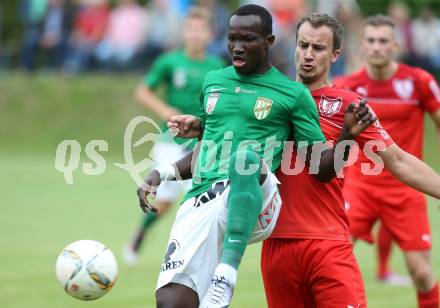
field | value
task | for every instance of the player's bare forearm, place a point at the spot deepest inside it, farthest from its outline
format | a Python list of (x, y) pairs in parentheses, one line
[(411, 171), (144, 96), (326, 171), (330, 164), (184, 165)]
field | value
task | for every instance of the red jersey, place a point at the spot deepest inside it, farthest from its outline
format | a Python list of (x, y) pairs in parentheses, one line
[(400, 103), (313, 209)]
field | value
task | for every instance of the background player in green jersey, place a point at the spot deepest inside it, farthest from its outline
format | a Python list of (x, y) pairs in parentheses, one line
[(248, 111), (181, 73)]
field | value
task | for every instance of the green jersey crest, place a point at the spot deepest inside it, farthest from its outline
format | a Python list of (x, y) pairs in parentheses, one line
[(262, 107)]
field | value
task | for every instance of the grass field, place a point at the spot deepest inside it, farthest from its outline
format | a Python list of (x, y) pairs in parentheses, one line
[(40, 213)]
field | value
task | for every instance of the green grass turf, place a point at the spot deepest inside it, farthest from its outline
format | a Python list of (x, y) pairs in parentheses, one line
[(41, 214)]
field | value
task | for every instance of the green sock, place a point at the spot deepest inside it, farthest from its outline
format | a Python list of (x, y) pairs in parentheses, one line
[(244, 204), (148, 219)]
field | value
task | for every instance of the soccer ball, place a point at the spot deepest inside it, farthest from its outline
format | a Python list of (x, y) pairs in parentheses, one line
[(86, 269)]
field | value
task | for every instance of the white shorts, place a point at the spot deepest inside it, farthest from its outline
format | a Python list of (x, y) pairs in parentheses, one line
[(196, 239), (165, 153)]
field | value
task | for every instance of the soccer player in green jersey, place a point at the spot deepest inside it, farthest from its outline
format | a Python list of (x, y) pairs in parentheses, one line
[(248, 111), (181, 72)]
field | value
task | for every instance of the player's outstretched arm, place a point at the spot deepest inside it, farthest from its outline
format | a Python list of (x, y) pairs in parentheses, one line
[(357, 118), (180, 170), (411, 171), (146, 97), (186, 126)]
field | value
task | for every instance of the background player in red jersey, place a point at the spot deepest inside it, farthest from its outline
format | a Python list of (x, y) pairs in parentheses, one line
[(308, 261), (400, 95)]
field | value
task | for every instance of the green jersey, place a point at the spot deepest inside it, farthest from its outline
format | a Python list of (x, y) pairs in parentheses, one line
[(257, 112), (182, 77)]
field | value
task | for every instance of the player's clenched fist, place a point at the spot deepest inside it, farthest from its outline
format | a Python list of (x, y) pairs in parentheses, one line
[(358, 117)]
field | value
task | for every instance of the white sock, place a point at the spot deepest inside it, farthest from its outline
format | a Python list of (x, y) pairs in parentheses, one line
[(227, 271)]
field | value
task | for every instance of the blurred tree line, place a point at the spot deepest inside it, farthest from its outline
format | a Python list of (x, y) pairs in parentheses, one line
[(371, 7)]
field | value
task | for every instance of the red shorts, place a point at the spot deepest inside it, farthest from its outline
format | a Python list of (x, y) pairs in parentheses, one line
[(311, 273), (402, 212)]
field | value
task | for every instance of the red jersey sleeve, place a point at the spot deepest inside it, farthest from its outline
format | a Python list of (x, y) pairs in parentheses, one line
[(374, 132), (430, 92)]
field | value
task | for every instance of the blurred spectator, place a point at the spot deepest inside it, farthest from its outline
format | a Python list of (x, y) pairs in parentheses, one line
[(125, 36), (89, 25), (32, 15), (426, 40), (286, 14), (333, 7), (347, 12), (163, 30), (218, 45), (46, 29), (399, 12), (54, 33)]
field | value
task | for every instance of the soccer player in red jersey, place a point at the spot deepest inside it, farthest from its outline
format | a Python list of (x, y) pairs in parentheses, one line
[(400, 96), (309, 261)]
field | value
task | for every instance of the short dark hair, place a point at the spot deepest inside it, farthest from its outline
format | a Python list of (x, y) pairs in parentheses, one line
[(253, 9), (379, 20), (318, 20)]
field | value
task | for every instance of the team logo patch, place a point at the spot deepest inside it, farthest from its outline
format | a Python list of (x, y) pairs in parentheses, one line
[(266, 216), (173, 246), (329, 106), (404, 88), (211, 102), (168, 264), (262, 107)]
